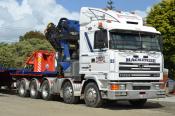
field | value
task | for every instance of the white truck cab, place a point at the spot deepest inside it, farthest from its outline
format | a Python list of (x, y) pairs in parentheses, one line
[(120, 55)]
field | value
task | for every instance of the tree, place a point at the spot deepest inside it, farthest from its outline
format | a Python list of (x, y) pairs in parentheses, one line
[(14, 54), (32, 34), (162, 17), (110, 4), (6, 57)]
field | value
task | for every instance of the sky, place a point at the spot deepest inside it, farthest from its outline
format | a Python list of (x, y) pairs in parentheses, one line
[(20, 16)]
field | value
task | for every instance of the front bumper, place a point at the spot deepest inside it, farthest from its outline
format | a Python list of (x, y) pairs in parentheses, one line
[(129, 93)]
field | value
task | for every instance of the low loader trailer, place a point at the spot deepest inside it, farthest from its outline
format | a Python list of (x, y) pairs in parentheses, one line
[(106, 55), (9, 76)]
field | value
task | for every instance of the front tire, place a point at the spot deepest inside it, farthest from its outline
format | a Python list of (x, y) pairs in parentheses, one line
[(92, 95), (22, 89), (68, 94), (34, 93), (45, 91), (138, 103)]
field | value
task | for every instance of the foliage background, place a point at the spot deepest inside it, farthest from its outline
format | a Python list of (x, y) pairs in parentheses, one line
[(162, 17)]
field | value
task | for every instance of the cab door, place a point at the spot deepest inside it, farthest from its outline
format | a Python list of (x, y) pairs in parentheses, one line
[(94, 59), (100, 60)]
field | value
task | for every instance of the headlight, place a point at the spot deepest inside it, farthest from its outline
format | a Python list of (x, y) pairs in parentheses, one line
[(157, 87), (122, 87), (117, 87)]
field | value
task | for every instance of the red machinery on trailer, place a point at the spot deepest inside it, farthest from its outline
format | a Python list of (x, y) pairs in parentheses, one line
[(42, 61)]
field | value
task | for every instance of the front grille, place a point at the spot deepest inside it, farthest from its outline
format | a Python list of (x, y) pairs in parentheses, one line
[(139, 75), (141, 87), (145, 81), (139, 66)]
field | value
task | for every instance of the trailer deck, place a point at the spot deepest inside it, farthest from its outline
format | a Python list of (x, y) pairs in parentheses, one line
[(8, 75)]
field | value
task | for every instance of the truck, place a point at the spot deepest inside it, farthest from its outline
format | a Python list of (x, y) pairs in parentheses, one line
[(106, 55)]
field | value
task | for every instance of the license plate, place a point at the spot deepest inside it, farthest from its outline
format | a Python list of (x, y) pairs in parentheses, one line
[(143, 95)]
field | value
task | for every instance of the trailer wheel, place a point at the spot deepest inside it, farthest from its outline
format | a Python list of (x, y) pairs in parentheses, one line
[(22, 89), (68, 94), (34, 93), (45, 91), (92, 95), (138, 102)]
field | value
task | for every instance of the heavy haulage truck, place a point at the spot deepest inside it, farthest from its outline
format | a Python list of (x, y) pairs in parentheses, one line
[(107, 55)]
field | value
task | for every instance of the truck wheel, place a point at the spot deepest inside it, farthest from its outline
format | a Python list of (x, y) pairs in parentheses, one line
[(68, 94), (34, 93), (22, 89), (45, 91), (138, 103), (92, 95)]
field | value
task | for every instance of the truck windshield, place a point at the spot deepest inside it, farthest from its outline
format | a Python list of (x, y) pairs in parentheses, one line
[(132, 40)]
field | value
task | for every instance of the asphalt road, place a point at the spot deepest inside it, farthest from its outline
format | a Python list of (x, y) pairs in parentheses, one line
[(12, 105)]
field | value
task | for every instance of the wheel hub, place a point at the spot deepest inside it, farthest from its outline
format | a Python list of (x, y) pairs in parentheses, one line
[(21, 89), (33, 91), (91, 95), (68, 92), (45, 91)]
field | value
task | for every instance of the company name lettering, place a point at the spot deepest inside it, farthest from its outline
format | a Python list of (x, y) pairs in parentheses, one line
[(140, 59)]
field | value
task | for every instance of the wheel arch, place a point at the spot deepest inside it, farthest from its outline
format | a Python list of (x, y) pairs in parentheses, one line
[(90, 80), (49, 79), (64, 81)]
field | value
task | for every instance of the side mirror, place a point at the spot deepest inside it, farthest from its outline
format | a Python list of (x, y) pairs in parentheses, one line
[(100, 39)]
